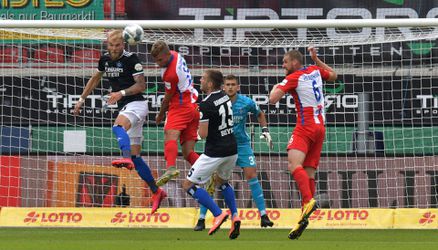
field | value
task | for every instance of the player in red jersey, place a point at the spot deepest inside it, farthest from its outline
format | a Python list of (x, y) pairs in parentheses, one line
[(305, 144), (180, 104)]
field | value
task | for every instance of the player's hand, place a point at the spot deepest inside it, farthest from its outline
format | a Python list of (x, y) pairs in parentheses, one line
[(78, 106), (114, 97), (313, 54), (265, 135), (159, 118)]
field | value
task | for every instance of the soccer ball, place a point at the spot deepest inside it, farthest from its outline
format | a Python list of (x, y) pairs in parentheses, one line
[(133, 34)]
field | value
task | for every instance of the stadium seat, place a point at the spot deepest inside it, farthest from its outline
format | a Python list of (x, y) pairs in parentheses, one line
[(13, 55), (86, 56), (49, 54)]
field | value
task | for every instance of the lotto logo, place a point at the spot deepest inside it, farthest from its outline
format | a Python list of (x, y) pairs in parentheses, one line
[(427, 218), (131, 217), (52, 218)]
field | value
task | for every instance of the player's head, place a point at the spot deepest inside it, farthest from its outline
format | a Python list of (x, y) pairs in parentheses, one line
[(211, 80), (292, 61), (116, 44), (160, 52), (231, 85)]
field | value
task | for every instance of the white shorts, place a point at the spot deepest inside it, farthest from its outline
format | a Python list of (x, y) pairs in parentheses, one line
[(136, 113), (205, 166)]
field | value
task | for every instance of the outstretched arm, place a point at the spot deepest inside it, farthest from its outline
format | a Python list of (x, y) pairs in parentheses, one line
[(91, 85), (333, 76), (275, 95)]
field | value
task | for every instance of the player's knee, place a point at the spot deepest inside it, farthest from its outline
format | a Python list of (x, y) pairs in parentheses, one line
[(187, 185)]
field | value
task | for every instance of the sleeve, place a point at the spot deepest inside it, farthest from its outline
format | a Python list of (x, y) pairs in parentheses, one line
[(137, 68), (253, 107), (289, 83), (325, 74), (204, 113), (101, 65)]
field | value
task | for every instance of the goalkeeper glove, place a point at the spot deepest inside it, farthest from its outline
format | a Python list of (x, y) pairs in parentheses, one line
[(265, 135)]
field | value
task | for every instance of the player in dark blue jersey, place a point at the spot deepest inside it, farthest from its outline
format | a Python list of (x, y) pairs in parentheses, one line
[(242, 106), (220, 155), (125, 74)]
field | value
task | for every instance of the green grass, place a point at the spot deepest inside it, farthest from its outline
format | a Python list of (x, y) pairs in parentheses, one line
[(181, 239)]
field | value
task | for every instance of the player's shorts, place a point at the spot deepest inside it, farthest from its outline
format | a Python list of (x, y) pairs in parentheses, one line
[(205, 166), (136, 113), (245, 156), (308, 139), (184, 119)]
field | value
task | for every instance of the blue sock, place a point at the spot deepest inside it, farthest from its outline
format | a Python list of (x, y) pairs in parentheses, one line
[(204, 199), (123, 140), (257, 195), (144, 172), (202, 212), (230, 199)]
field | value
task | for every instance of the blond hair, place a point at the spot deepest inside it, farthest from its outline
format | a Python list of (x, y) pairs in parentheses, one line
[(159, 47), (295, 55), (115, 34)]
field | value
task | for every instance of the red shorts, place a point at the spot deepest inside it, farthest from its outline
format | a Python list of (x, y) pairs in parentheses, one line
[(184, 119), (308, 139)]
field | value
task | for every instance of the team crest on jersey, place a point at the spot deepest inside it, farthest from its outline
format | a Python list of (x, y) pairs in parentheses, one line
[(283, 82), (138, 67), (167, 85), (119, 64)]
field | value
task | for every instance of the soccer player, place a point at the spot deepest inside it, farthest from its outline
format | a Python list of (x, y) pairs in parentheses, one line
[(305, 144), (180, 104), (220, 155), (242, 106), (125, 74)]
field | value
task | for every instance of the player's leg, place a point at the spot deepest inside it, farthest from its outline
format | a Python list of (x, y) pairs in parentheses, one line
[(200, 172), (120, 128), (246, 160), (170, 154), (188, 139), (223, 175)]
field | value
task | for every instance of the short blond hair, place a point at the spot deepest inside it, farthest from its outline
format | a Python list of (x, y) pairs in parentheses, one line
[(159, 47), (295, 55), (115, 34)]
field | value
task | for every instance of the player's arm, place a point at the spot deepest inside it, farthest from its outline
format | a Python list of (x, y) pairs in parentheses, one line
[(90, 86), (276, 94), (332, 74), (164, 107), (137, 88), (203, 129)]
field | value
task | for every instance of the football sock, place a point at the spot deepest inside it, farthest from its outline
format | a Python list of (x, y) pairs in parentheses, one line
[(170, 153), (204, 199), (123, 140), (312, 186), (192, 157), (202, 212), (230, 199), (302, 180), (144, 172), (257, 195)]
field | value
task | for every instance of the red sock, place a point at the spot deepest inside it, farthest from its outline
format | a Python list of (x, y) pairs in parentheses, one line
[(302, 180), (312, 186), (192, 157), (170, 153)]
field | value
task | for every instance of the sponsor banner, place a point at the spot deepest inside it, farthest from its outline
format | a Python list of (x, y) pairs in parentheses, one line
[(187, 217), (409, 218), (96, 217), (56, 97), (52, 10)]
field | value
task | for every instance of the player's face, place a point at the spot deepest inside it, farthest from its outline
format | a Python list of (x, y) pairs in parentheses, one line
[(162, 59), (289, 65), (116, 47), (204, 83), (231, 87)]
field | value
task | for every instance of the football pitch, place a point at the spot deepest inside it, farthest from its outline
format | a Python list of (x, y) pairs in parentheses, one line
[(181, 239)]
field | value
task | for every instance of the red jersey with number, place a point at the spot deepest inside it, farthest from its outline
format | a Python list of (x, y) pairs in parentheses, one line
[(305, 85), (178, 81)]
